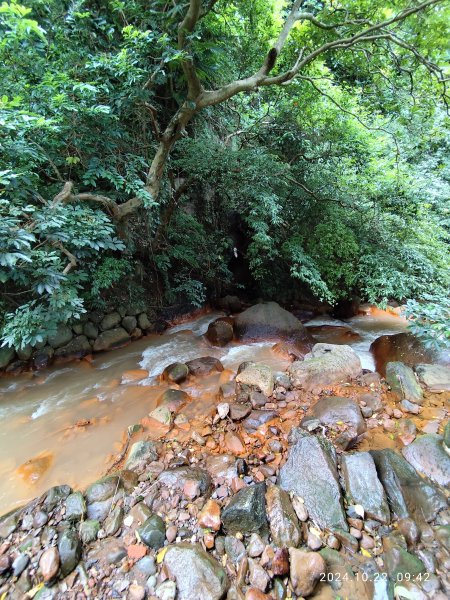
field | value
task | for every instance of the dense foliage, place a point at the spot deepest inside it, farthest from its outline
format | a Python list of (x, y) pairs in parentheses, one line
[(336, 184)]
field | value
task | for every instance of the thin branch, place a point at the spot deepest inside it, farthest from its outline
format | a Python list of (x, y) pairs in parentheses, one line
[(186, 27)]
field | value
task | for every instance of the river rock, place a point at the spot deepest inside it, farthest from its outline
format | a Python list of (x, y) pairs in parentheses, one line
[(79, 346), (259, 376), (246, 511), (363, 486), (239, 411), (221, 466), (69, 548), (331, 409), (257, 418), (89, 530), (113, 521), (403, 382), (258, 578), (113, 338), (306, 571), (220, 332), (177, 478), (144, 322), (403, 347), (161, 414), (283, 521), (234, 549), (103, 488), (75, 507), (436, 378), (173, 399), (209, 516), (311, 472), (269, 320), (61, 337), (9, 523), (129, 323), (176, 372), (427, 455), (197, 574), (408, 494), (399, 562), (204, 366), (141, 452), (55, 495), (6, 356), (325, 365), (110, 321), (333, 334), (49, 563), (153, 532)]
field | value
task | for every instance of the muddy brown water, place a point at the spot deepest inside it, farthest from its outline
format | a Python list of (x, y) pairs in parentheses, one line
[(66, 424)]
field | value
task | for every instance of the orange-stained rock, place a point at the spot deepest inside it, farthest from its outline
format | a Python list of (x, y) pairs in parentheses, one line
[(208, 539), (209, 517), (255, 594), (233, 443), (136, 551), (36, 467), (49, 563), (134, 375)]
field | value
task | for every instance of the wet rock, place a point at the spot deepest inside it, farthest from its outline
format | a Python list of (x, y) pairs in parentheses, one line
[(9, 523), (427, 455), (178, 477), (61, 337), (221, 466), (306, 570), (209, 516), (196, 573), (204, 366), (98, 511), (403, 347), (146, 566), (269, 320), (153, 532), (371, 400), (33, 469), (19, 564), (113, 338), (89, 530), (255, 546), (325, 365), (311, 472), (69, 548), (55, 495), (363, 486), (246, 510), (220, 332), (259, 376), (49, 563), (161, 414), (258, 577), (400, 563), (446, 439), (144, 322), (141, 452), (110, 321), (410, 407), (407, 493), (257, 418), (436, 378), (234, 549), (283, 521), (75, 507), (102, 489), (176, 372), (403, 382), (347, 540), (43, 357), (231, 304), (113, 521), (410, 531), (330, 410)]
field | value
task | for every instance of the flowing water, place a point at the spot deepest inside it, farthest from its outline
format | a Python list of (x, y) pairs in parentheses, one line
[(62, 424)]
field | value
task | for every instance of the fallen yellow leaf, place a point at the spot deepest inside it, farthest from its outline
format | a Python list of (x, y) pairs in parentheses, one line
[(161, 554), (365, 553)]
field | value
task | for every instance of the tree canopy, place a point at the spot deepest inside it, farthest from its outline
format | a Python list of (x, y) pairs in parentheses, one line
[(145, 144)]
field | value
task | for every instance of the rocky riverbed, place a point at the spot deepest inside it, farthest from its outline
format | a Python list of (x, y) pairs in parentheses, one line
[(322, 481)]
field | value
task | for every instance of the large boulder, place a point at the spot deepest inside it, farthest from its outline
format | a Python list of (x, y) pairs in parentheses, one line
[(427, 455), (436, 378), (204, 365), (268, 320), (403, 382), (332, 409), (310, 472), (220, 332), (400, 347), (176, 372), (110, 321), (259, 376), (325, 365), (113, 338), (61, 337), (333, 334), (408, 494), (231, 304), (6, 356), (363, 486), (197, 573)]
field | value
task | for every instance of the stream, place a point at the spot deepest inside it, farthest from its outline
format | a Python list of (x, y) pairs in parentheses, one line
[(70, 419)]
